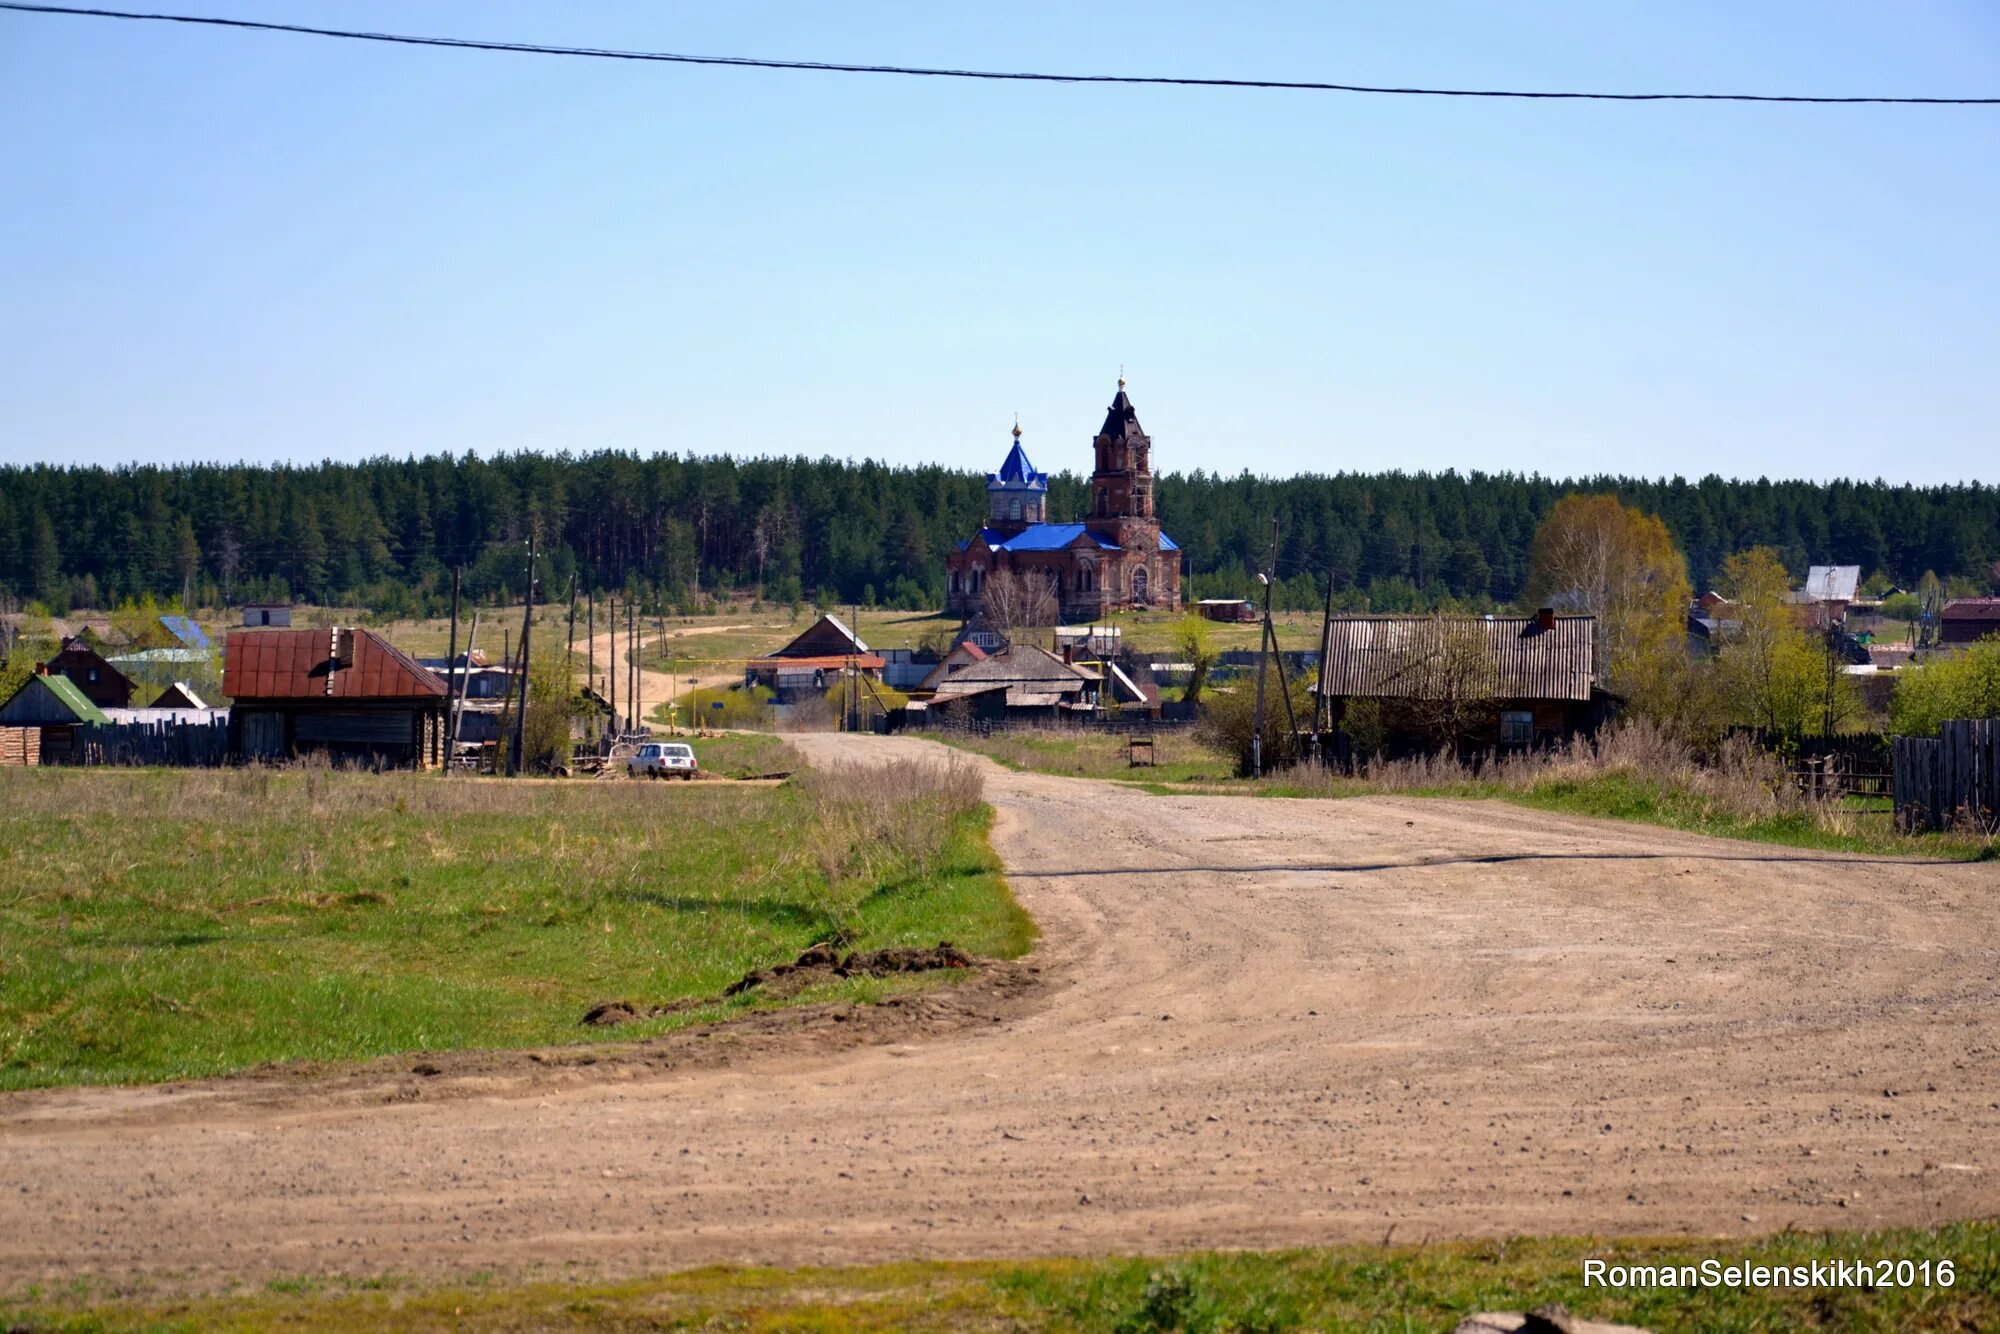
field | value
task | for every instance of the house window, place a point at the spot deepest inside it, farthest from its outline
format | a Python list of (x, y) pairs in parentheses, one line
[(93, 676), (1517, 727)]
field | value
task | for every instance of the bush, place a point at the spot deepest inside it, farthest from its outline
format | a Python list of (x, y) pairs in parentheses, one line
[(1228, 720), (1961, 685)]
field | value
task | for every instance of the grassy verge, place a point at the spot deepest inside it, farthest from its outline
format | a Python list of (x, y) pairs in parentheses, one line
[(744, 754), (1630, 774), (1343, 1288), (1178, 757), (161, 924)]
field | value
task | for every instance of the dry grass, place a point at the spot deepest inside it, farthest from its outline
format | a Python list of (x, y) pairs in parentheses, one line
[(1635, 770)]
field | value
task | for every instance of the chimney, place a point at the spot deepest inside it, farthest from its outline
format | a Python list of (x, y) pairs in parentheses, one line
[(41, 669), (1545, 619)]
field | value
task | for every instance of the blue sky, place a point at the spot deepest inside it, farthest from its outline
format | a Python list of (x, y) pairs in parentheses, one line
[(223, 246)]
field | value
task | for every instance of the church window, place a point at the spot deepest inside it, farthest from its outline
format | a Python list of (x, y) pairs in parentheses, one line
[(1101, 507), (1139, 585), (1014, 508)]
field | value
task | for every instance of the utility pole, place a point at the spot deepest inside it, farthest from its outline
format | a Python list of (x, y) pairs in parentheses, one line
[(569, 649), (527, 628), (1263, 648), (464, 680), (611, 662), (631, 667), (1320, 716), (452, 675), (638, 682), (590, 639)]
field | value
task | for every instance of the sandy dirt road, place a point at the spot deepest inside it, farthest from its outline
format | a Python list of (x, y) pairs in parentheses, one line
[(1259, 1023)]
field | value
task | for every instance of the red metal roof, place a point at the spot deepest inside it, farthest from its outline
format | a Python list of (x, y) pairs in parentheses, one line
[(322, 664), (1972, 609)]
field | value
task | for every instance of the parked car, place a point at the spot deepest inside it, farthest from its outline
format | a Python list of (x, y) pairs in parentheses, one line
[(663, 759)]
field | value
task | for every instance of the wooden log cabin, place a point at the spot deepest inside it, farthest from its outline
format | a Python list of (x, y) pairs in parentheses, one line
[(347, 693)]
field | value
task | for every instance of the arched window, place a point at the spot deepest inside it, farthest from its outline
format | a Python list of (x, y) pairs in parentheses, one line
[(1139, 584), (1101, 505), (1014, 508)]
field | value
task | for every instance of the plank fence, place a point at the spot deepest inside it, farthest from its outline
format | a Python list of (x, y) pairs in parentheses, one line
[(188, 744), (1951, 780)]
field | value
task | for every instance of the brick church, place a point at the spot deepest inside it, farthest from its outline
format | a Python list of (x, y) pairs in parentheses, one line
[(1115, 559)]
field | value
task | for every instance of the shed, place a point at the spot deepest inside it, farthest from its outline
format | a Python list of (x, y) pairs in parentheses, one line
[(276, 615), (346, 692), (179, 695), (1968, 620), (55, 707), (1227, 609)]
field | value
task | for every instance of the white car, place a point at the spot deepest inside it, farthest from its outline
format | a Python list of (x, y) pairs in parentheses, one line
[(663, 759)]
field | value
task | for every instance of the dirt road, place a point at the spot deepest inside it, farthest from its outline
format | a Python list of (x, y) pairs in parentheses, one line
[(1260, 1023)]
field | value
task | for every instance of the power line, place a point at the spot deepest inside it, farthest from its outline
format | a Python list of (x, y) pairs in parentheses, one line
[(919, 71)]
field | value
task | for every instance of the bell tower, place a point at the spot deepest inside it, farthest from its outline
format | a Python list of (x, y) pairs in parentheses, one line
[(1121, 490)]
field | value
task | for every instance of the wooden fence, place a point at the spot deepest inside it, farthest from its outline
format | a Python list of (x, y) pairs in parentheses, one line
[(191, 744), (1951, 780)]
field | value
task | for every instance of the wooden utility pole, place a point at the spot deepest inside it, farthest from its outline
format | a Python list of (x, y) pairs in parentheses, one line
[(1263, 645), (638, 683), (450, 665), (527, 629), (569, 649), (611, 661), (590, 639), (464, 680), (1321, 716), (631, 669)]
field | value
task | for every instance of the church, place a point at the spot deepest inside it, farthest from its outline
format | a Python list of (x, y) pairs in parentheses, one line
[(1116, 558)]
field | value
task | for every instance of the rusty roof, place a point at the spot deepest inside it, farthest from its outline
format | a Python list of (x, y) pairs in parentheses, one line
[(1485, 657), (1972, 609), (322, 664)]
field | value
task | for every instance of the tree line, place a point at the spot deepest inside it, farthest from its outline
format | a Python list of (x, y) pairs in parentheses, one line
[(677, 529)]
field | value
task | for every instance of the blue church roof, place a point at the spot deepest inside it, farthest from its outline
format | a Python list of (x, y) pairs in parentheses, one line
[(1053, 537), (1016, 471)]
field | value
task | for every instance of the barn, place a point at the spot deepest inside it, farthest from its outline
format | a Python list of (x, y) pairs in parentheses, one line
[(346, 693)]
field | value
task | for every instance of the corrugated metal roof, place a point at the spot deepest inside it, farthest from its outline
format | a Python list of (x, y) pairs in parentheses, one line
[(321, 664), (1832, 583), (1432, 657)]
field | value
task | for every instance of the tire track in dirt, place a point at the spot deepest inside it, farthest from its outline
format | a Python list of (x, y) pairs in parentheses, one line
[(1259, 1023)]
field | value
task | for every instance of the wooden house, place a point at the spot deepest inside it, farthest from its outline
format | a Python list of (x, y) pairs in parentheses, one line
[(101, 683), (812, 661), (347, 693), (1017, 683), (1469, 683), (55, 708)]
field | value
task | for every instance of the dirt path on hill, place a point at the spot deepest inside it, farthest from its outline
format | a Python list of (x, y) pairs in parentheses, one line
[(656, 687), (1256, 1023)]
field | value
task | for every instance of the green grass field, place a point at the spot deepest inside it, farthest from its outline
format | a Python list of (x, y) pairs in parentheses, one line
[(161, 924), (1361, 1288)]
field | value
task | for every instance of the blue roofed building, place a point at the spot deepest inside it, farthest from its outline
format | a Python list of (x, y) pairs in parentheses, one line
[(1112, 558)]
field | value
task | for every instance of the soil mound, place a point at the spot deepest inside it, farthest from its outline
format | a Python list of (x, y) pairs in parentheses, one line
[(817, 964)]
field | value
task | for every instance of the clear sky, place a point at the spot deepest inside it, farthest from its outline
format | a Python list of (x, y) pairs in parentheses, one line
[(221, 246)]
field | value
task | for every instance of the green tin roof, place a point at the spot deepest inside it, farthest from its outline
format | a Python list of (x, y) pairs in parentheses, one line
[(72, 698)]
